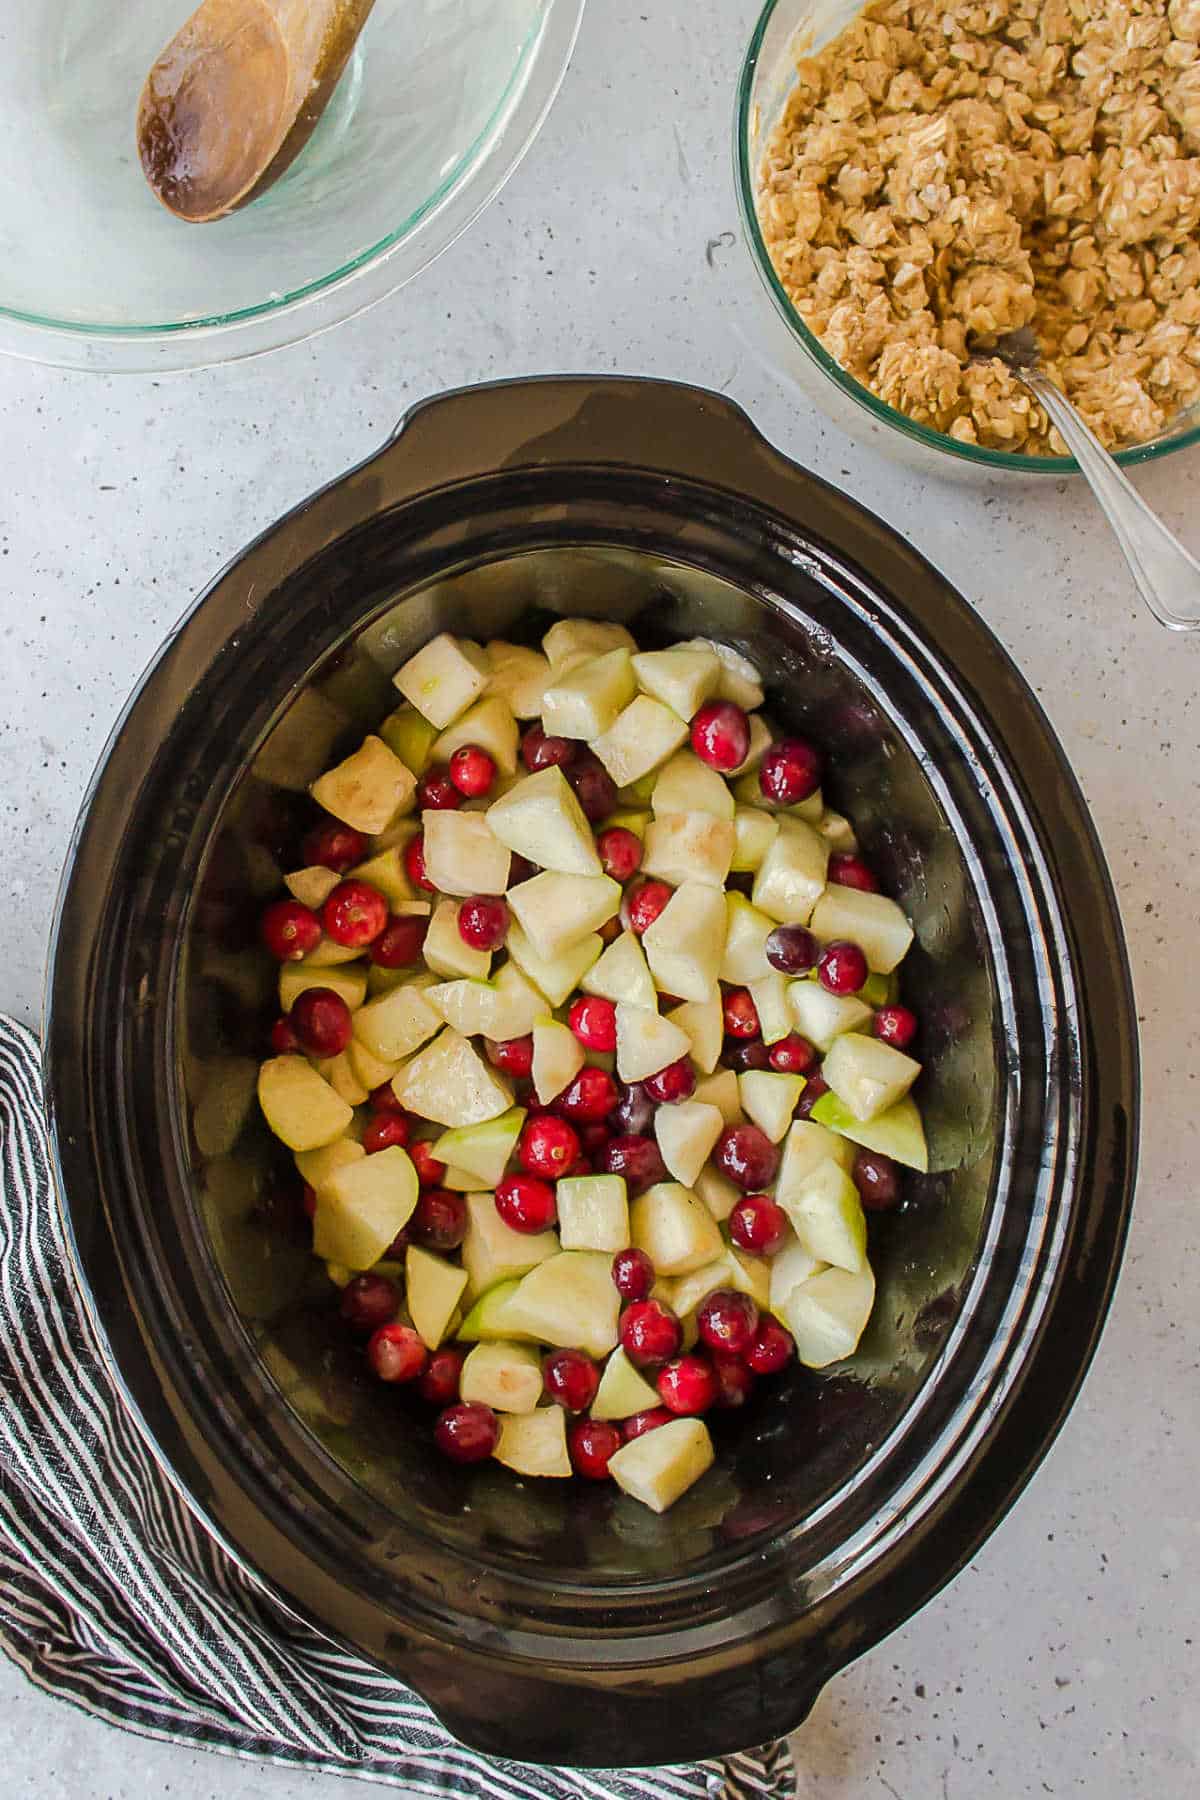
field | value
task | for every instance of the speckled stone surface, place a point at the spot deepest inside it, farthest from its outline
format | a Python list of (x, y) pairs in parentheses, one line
[(1064, 1660)]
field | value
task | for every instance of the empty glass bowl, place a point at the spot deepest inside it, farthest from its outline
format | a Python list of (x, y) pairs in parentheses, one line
[(438, 104)]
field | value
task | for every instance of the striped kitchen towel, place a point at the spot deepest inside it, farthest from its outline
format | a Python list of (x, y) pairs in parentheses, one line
[(113, 1596)]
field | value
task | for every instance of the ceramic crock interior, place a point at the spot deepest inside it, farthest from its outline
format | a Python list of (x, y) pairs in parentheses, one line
[(802, 1439)]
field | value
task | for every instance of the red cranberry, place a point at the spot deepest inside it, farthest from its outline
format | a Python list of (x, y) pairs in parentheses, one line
[(354, 914), (747, 1156), (877, 1179), (439, 1382), (369, 1301), (483, 922), (439, 1219), (759, 1225), (638, 1159), (383, 1099), (594, 1022), (467, 1433), (436, 792), (638, 1424), (620, 852), (595, 1139), (633, 1274), (385, 1130), (289, 930), (790, 771), (591, 1442), (539, 751), (740, 1013), (848, 870), (582, 1165), (284, 1041), (595, 789), (401, 941), (687, 1385), (591, 1096), (650, 1332), (745, 1053), (735, 1382), (414, 863), (397, 1247), (814, 1087), (792, 1055), (547, 1146), (396, 1353), (333, 845), (513, 1055), (721, 735), (791, 949), (676, 1082), (472, 771), (430, 1172), (727, 1320), (571, 1379), (634, 1111), (642, 905), (526, 1204), (772, 1348), (321, 1020), (842, 968), (895, 1025)]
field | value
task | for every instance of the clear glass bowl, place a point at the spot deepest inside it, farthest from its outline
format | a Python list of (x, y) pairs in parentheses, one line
[(440, 101), (786, 31)]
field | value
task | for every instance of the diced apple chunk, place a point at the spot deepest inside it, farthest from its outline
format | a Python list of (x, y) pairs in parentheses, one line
[(689, 847), (481, 1152), (557, 1059), (720, 1089), (316, 1166), (386, 872), (770, 996), (754, 832), (791, 876), (743, 954), (682, 679), (686, 1133), (569, 1301), (685, 943), (328, 955), (312, 887), (349, 981), (769, 1099), (505, 1007), (821, 1017), (687, 785), (871, 921), (868, 1076), (807, 1146), (897, 1133), (690, 1291), (585, 701), (659, 1466), (301, 1108), (443, 679), (719, 1194), (646, 1042), (572, 641), (556, 911), (704, 1022), (462, 855), (761, 738), (444, 950), (507, 1377), (827, 1315), (739, 679), (622, 973), (433, 1288), (789, 1267), (339, 1072), (410, 736), (493, 1252), (362, 1205), (541, 819), (675, 1230), (827, 1217), (398, 1023), (489, 724), (593, 1212), (535, 1443), (484, 1322), (838, 833), (519, 675), (622, 1391), (644, 735), (368, 789), (558, 976), (450, 1083)]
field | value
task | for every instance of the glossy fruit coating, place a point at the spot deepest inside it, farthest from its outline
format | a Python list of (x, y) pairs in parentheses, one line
[(747, 1156), (620, 852), (638, 1159), (650, 1333), (727, 1320), (745, 1053), (513, 1055), (735, 1380), (638, 1424), (440, 1379), (772, 1348), (895, 1025), (688, 1385), (634, 1111), (590, 1097), (439, 1220), (284, 1041), (526, 1203), (633, 1274), (384, 1099), (354, 914), (369, 1301), (848, 870), (322, 1022), (396, 1353), (414, 864), (590, 1444), (436, 792), (385, 1130), (483, 922), (721, 735), (789, 772), (595, 789), (814, 1087), (740, 1013), (674, 1083), (399, 944), (430, 1172), (472, 771), (335, 846), (792, 949), (594, 1022), (877, 1179), (539, 751), (547, 1146), (467, 1433), (642, 905), (842, 968), (289, 931), (757, 1224), (792, 1055), (571, 1379)]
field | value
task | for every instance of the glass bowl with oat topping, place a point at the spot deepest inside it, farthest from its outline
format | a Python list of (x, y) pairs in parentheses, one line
[(917, 177)]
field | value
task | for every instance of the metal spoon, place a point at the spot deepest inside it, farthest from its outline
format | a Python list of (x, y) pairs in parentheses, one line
[(1167, 576), (236, 95)]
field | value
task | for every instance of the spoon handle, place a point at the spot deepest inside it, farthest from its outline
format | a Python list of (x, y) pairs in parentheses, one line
[(1168, 577)]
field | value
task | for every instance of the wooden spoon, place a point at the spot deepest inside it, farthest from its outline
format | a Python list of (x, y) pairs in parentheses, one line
[(236, 95)]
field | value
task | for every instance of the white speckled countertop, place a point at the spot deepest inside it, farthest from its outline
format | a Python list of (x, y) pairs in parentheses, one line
[(1063, 1661)]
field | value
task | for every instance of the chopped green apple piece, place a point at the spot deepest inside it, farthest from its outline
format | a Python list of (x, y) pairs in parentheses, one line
[(739, 679), (622, 973), (444, 950), (386, 872), (897, 1133), (569, 1301), (449, 1082), (690, 1291), (828, 1219), (719, 1194), (504, 1376), (571, 641), (443, 679), (868, 1076), (557, 976), (491, 725), (328, 955), (593, 1212), (519, 675), (872, 921), (644, 735), (300, 1107), (720, 1089), (349, 982), (754, 831), (788, 1268), (704, 1022), (770, 1100), (879, 990), (791, 876), (556, 911), (806, 1147), (838, 833), (821, 1017), (493, 1252), (462, 855), (770, 996), (459, 1181), (316, 1166), (761, 738), (689, 847), (505, 1007), (586, 700), (362, 1205), (686, 1134), (557, 1059), (677, 1232), (398, 1023), (339, 1072), (482, 1151), (659, 1466), (433, 1288), (685, 943), (744, 954), (534, 1443), (622, 1391), (827, 1315), (687, 785), (368, 789), (646, 1042), (682, 679), (750, 1275), (485, 1320), (312, 887), (410, 737), (541, 819)]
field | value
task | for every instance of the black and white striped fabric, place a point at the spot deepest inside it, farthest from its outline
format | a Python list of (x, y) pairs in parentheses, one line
[(113, 1596)]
